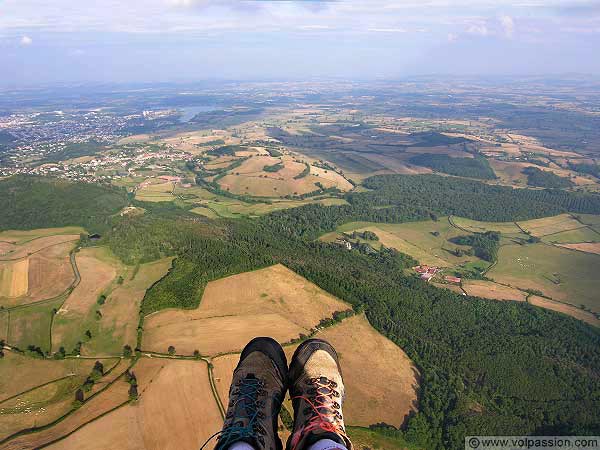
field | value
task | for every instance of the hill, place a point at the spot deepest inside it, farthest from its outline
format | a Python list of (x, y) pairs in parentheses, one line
[(503, 367)]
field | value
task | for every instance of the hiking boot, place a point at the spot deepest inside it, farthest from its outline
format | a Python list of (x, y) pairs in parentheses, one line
[(317, 393), (257, 390)]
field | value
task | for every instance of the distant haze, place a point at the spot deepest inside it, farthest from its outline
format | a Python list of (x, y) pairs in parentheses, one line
[(186, 40)]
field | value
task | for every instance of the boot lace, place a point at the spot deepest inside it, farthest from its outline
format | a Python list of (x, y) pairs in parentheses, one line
[(324, 403), (246, 406)]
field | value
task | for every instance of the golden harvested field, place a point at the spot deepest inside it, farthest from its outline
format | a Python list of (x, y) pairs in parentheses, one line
[(106, 401), (565, 309), (512, 173), (216, 335), (332, 176), (50, 272), (251, 179), (550, 225), (176, 411), (21, 236), (269, 301), (120, 312), (97, 272), (44, 275), (3, 325), (37, 244), (223, 368), (494, 291), (6, 248), (390, 395), (587, 247), (19, 373), (14, 278)]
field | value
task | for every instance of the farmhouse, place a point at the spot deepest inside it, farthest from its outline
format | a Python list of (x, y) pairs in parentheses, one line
[(451, 279), (344, 243), (426, 272)]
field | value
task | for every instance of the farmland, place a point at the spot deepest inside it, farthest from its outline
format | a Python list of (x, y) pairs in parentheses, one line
[(180, 391), (276, 211), (117, 325), (428, 242), (494, 291), (98, 270), (561, 266), (561, 274), (176, 409), (362, 352), (272, 301)]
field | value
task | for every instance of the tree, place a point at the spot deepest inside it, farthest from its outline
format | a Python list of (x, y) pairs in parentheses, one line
[(60, 354), (127, 351), (197, 354), (102, 299), (77, 349), (171, 350), (97, 371), (79, 395), (133, 392)]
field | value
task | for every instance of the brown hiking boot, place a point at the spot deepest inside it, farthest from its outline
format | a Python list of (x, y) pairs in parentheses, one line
[(257, 390), (317, 393)]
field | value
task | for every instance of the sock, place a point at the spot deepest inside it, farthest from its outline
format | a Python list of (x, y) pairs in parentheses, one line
[(240, 445), (326, 444)]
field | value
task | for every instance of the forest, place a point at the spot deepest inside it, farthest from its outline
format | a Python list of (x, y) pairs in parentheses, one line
[(497, 368), (546, 179), (485, 245), (477, 167), (37, 202)]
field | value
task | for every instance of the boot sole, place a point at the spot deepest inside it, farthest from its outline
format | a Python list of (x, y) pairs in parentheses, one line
[(303, 354), (272, 349)]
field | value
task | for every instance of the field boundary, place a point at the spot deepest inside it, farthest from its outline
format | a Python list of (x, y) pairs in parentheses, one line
[(32, 430), (48, 383), (126, 402), (41, 249)]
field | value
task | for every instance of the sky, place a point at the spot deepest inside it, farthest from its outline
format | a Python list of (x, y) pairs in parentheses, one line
[(78, 41)]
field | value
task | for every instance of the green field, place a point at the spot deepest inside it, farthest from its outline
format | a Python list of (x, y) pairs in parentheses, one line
[(585, 234), (225, 207), (31, 325), (561, 274), (69, 327), (427, 242), (590, 219), (474, 226)]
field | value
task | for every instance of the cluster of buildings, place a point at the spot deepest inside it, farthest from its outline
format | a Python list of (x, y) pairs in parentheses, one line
[(105, 167), (428, 272)]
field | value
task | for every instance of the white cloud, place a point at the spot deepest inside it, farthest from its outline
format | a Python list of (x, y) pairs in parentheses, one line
[(479, 29), (508, 25), (452, 37), (387, 30), (26, 41)]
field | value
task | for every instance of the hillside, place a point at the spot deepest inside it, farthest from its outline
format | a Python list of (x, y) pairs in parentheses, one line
[(483, 364)]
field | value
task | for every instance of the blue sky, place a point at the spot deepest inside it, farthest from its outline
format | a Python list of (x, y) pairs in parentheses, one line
[(45, 41)]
